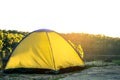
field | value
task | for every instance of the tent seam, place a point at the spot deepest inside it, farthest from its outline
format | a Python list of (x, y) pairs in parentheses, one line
[(51, 51)]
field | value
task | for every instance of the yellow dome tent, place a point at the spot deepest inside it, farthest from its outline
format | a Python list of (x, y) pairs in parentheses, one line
[(43, 49)]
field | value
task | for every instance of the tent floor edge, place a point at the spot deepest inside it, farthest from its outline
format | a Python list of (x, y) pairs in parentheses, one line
[(30, 71), (42, 71), (71, 69)]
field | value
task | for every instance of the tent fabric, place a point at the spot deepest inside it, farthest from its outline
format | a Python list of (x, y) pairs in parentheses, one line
[(43, 30), (43, 49)]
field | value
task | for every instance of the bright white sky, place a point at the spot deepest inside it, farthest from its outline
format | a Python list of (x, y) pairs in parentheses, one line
[(88, 16)]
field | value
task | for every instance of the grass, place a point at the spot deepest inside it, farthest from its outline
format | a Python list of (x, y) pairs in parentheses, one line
[(101, 63), (98, 63), (117, 62)]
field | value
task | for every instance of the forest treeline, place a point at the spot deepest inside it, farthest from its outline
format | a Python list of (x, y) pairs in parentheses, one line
[(93, 45), (96, 46)]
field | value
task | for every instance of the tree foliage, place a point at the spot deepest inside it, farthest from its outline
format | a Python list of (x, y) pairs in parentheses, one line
[(95, 45)]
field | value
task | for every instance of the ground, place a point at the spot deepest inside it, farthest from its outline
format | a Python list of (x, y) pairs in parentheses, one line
[(96, 73), (104, 72)]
